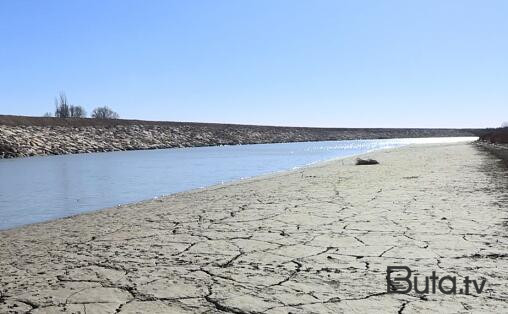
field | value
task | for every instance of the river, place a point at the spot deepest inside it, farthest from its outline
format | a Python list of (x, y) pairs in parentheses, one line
[(37, 189)]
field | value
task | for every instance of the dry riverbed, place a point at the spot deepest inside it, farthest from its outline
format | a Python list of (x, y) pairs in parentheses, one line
[(315, 240)]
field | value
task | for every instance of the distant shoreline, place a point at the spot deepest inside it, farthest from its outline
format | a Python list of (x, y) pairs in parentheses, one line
[(22, 136)]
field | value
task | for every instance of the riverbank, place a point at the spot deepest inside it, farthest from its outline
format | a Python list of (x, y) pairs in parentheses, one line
[(496, 136), (499, 150), (496, 142), (37, 136), (317, 239)]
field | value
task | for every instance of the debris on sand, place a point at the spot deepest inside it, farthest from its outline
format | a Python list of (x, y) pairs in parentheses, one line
[(360, 161)]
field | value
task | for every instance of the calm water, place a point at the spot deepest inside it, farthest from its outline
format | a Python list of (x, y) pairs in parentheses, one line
[(42, 188)]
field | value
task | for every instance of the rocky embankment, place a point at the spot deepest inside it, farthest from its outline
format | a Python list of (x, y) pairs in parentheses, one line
[(31, 136), (497, 136), (496, 142)]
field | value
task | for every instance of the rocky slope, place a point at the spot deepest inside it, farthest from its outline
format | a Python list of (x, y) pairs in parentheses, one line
[(496, 142), (31, 136), (498, 136)]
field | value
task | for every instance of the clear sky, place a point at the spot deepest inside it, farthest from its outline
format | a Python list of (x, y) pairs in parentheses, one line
[(331, 63)]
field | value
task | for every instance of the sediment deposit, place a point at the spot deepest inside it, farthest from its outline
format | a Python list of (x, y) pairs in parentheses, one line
[(314, 240)]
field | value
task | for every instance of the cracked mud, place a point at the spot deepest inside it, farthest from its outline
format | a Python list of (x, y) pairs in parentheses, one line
[(314, 240)]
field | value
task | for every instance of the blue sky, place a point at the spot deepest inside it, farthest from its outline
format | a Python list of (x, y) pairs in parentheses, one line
[(304, 63)]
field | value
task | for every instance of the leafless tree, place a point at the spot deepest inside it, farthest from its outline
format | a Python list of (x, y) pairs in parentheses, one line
[(504, 124), (62, 107), (104, 113), (64, 110), (77, 111), (47, 115)]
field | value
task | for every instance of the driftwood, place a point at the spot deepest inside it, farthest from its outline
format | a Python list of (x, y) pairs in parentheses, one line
[(360, 161)]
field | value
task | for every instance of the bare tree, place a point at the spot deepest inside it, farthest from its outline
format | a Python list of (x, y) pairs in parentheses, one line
[(77, 112), (62, 109), (104, 113), (504, 124), (47, 115)]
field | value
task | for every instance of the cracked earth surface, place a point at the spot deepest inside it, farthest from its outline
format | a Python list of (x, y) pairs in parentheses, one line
[(314, 240)]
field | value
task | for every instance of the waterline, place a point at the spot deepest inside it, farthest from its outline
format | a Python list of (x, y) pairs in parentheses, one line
[(43, 188)]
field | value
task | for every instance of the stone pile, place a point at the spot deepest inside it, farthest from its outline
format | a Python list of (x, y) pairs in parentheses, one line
[(36, 140)]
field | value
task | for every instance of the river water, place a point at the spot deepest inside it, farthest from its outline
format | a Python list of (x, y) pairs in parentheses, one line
[(37, 189)]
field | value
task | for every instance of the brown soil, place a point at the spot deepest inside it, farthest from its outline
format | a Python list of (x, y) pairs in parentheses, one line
[(80, 122)]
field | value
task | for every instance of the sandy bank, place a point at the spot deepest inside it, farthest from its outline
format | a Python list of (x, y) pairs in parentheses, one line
[(316, 240)]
